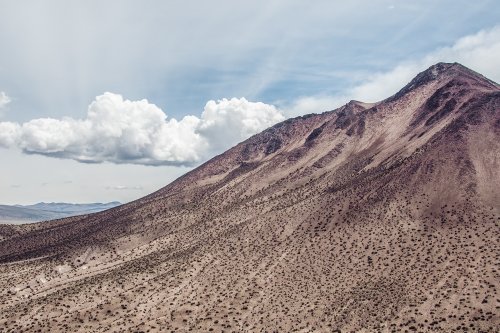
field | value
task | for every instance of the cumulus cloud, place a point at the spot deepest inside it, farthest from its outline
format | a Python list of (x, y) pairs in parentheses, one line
[(138, 132), (9, 132), (478, 51), (235, 120)]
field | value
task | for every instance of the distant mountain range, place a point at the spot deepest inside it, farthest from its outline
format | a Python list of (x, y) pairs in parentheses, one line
[(49, 211)]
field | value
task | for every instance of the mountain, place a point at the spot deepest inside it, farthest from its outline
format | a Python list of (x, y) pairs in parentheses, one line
[(48, 211), (376, 217), (70, 208), (19, 214)]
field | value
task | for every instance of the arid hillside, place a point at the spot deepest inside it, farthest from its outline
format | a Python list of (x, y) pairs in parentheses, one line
[(376, 217)]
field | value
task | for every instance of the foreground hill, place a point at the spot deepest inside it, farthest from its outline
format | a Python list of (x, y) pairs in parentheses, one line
[(48, 211), (372, 217)]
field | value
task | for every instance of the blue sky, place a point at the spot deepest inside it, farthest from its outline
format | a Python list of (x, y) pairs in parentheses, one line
[(295, 57)]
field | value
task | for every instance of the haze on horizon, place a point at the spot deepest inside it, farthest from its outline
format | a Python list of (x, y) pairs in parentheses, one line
[(103, 101)]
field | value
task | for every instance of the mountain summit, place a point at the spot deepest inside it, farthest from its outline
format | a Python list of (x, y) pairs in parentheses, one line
[(446, 71), (376, 217)]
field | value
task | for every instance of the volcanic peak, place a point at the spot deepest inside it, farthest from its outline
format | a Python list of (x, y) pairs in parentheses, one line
[(445, 72)]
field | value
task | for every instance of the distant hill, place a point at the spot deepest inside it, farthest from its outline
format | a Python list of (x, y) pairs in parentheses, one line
[(49, 211)]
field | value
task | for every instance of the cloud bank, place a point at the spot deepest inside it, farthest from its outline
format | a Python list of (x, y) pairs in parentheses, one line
[(478, 51), (137, 132)]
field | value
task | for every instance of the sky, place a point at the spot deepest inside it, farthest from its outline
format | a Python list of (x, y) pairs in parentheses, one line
[(111, 100)]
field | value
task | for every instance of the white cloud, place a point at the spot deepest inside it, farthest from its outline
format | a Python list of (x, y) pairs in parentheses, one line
[(235, 120), (314, 104), (4, 99), (138, 132), (479, 52), (9, 133), (124, 188)]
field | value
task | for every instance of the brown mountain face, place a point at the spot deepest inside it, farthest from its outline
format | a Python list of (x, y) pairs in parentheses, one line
[(372, 217)]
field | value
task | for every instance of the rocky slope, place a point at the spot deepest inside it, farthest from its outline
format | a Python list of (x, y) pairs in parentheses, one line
[(372, 217)]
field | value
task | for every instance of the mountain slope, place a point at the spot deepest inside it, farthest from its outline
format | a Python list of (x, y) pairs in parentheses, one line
[(375, 217)]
